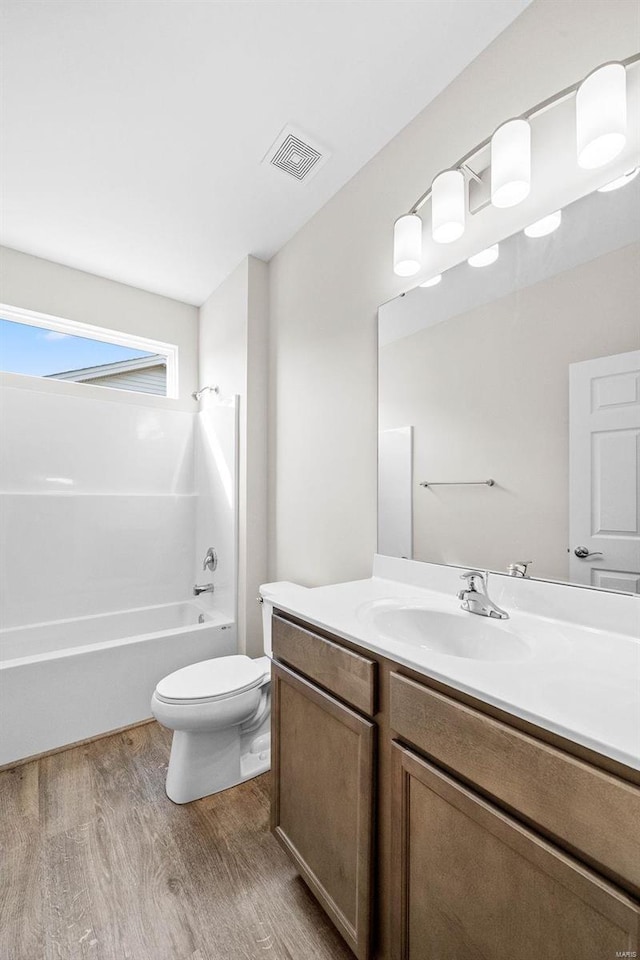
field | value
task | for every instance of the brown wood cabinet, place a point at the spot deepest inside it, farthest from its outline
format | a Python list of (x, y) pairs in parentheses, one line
[(588, 810), (494, 839), (471, 882), (322, 805)]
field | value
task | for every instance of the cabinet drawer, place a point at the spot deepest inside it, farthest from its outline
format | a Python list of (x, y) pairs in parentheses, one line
[(469, 881), (341, 671), (594, 813)]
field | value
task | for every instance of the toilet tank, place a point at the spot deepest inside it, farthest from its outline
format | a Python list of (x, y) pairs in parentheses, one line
[(268, 592)]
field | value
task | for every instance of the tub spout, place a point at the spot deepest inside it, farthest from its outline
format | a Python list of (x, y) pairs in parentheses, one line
[(202, 588)]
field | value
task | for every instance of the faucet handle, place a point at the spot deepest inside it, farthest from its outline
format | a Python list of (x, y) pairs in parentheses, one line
[(470, 577), (210, 561)]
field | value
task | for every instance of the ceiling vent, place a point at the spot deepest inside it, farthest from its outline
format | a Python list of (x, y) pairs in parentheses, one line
[(296, 154)]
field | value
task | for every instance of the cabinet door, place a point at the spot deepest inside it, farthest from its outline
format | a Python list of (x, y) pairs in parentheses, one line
[(322, 801), (470, 882)]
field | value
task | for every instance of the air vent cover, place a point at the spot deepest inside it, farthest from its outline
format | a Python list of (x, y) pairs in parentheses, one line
[(296, 154)]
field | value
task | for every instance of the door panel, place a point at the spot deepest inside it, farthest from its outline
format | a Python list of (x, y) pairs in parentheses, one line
[(322, 805), (470, 882), (604, 494)]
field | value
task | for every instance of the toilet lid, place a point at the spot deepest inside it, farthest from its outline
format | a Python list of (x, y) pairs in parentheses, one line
[(212, 679)]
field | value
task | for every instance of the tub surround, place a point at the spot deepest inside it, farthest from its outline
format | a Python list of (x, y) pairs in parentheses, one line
[(98, 504), (581, 674), (112, 503)]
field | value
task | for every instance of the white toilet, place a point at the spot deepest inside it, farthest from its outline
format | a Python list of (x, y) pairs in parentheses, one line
[(220, 713)]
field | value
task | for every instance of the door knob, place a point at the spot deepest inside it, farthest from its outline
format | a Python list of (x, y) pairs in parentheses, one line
[(583, 553)]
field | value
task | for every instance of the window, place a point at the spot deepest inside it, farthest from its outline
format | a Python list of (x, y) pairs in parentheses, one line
[(38, 345)]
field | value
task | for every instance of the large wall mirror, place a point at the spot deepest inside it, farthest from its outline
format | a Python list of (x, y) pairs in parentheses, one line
[(509, 405)]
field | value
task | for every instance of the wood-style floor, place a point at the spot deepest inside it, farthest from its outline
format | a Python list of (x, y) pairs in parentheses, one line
[(97, 864)]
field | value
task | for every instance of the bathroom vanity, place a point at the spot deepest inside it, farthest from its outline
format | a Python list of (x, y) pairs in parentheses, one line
[(479, 802)]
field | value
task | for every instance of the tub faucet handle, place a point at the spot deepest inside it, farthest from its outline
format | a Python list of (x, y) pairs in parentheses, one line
[(210, 561)]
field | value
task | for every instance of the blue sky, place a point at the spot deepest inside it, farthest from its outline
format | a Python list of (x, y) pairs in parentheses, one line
[(38, 352)]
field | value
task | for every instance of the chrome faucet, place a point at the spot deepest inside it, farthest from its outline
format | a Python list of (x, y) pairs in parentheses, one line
[(476, 600), (202, 588)]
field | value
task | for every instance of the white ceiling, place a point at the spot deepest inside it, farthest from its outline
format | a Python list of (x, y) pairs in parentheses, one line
[(134, 129)]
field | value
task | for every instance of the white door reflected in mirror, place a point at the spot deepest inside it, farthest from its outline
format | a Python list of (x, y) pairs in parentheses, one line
[(604, 434)]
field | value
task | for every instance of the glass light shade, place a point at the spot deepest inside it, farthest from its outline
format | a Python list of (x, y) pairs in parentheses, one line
[(510, 163), (447, 206), (485, 257), (545, 226), (620, 181), (601, 116), (407, 245), (433, 281)]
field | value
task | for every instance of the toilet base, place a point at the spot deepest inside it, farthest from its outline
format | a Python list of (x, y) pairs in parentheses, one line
[(253, 765), (204, 763)]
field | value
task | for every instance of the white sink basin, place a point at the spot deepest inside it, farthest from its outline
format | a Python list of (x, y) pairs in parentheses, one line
[(452, 634)]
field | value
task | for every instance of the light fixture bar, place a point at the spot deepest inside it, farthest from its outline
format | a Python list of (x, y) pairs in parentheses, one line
[(620, 181), (534, 111)]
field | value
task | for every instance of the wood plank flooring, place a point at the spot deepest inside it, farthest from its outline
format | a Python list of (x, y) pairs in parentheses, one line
[(97, 864)]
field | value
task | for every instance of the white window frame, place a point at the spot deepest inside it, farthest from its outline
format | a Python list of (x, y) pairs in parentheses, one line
[(77, 328)]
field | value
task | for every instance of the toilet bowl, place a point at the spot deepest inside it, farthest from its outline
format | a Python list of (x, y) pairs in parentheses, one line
[(219, 711)]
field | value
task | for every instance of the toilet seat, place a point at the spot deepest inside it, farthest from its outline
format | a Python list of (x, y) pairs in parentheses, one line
[(211, 680)]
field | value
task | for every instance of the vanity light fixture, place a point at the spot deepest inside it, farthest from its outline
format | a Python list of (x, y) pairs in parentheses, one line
[(511, 163), (434, 281), (601, 133), (448, 205), (544, 226), (601, 115), (620, 181), (486, 257), (407, 245)]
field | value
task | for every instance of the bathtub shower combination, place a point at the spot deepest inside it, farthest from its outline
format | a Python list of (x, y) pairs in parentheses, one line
[(119, 502)]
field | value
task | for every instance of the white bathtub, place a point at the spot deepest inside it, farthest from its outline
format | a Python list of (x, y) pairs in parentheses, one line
[(69, 680)]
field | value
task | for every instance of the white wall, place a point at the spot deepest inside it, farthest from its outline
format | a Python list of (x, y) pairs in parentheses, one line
[(233, 356), (327, 282), (46, 287)]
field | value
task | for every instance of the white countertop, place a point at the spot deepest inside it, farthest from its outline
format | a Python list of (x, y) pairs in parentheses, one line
[(580, 682)]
